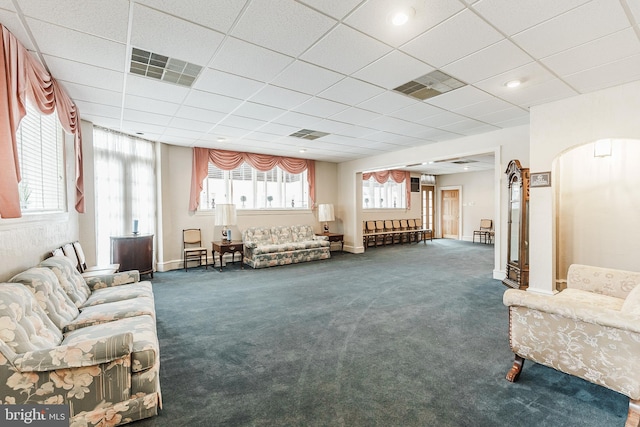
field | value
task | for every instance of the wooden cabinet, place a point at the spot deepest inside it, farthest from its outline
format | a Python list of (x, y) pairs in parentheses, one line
[(133, 252), (517, 274)]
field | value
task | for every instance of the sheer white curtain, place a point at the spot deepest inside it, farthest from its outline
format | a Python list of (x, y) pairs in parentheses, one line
[(125, 187)]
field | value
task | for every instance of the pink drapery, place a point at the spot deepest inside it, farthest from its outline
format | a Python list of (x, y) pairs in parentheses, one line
[(397, 175), (228, 160), (22, 76)]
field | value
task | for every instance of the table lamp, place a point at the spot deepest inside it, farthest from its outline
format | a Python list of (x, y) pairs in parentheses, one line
[(226, 216), (325, 214)]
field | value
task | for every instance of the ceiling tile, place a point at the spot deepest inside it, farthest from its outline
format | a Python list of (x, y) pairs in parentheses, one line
[(355, 116), (105, 53), (85, 74), (387, 102), (12, 23), (155, 89), (612, 47), (145, 128), (282, 25), (530, 75), (356, 131), (279, 97), (495, 117), (93, 108), (229, 132), (374, 18), (211, 101), (242, 122), (189, 125), (219, 15), (279, 129), (351, 91), (393, 70), (258, 111), (573, 28), (320, 107), (150, 105), (511, 17), (302, 121), (337, 9), (79, 92), (104, 19), (248, 60), (416, 112), (461, 97), (635, 10), (481, 108), (548, 91), (149, 32), (495, 59), (453, 39), (444, 119), (215, 81), (618, 72), (306, 78), (345, 50), (200, 114), (140, 116)]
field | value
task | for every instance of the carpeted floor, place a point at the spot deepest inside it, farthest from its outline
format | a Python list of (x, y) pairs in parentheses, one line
[(410, 335)]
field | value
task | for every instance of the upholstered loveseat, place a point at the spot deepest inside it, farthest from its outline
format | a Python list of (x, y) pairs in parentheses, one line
[(280, 245), (591, 330), (94, 348)]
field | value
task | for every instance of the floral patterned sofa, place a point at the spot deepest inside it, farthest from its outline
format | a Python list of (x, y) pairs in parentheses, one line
[(591, 330), (280, 245), (88, 343)]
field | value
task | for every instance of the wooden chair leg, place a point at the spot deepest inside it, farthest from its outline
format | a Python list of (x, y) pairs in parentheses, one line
[(633, 417), (514, 372)]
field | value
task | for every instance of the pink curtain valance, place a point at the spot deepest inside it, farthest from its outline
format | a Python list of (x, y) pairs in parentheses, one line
[(228, 160), (397, 175), (22, 77)]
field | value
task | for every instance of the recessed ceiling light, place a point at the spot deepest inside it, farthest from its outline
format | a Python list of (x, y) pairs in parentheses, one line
[(302, 150), (513, 83), (221, 139), (466, 168), (402, 16), (139, 133)]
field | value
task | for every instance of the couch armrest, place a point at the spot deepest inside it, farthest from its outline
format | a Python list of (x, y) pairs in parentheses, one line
[(250, 245), (320, 237), (606, 281), (573, 310), (85, 353), (116, 279)]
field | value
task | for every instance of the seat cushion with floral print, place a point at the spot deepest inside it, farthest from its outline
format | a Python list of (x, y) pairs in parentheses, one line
[(24, 326)]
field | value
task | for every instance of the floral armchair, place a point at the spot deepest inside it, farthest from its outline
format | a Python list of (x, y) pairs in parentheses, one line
[(591, 330), (106, 373)]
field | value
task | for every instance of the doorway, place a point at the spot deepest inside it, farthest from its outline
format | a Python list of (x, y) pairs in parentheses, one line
[(450, 216)]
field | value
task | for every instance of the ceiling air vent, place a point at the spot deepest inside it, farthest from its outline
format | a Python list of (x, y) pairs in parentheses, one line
[(429, 85), (162, 67), (309, 134)]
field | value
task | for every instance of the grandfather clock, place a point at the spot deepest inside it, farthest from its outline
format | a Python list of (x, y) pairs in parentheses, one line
[(518, 227)]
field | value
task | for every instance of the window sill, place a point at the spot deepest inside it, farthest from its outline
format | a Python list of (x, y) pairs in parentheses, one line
[(266, 211)]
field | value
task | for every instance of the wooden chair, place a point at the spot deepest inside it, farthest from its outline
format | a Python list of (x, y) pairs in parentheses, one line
[(404, 225), (485, 231), (397, 228), (413, 232), (192, 249), (388, 229), (371, 233), (380, 234)]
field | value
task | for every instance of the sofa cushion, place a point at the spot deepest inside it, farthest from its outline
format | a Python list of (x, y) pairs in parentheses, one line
[(120, 293), (145, 342), (44, 285), (302, 233), (281, 234), (589, 299), (70, 279), (108, 312), (257, 236), (24, 326)]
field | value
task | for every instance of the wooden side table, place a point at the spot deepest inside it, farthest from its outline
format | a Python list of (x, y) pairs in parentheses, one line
[(225, 247), (334, 237), (133, 252)]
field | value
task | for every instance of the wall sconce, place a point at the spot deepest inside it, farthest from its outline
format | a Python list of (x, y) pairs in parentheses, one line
[(602, 148)]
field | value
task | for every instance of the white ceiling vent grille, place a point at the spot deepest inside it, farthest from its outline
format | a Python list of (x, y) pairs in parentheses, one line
[(309, 134), (430, 85), (162, 67)]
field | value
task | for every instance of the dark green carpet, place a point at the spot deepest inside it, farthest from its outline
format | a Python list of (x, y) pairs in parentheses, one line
[(410, 335)]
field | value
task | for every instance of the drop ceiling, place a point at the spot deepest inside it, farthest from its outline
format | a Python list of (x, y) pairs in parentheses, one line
[(272, 68)]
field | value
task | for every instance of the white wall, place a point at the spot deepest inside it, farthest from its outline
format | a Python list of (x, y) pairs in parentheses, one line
[(555, 128), (478, 198), (26, 241)]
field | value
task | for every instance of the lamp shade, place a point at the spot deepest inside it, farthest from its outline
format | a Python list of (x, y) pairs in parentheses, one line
[(226, 214), (325, 212)]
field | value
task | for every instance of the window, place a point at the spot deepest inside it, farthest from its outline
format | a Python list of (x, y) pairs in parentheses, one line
[(125, 187), (383, 196), (249, 188), (40, 141)]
